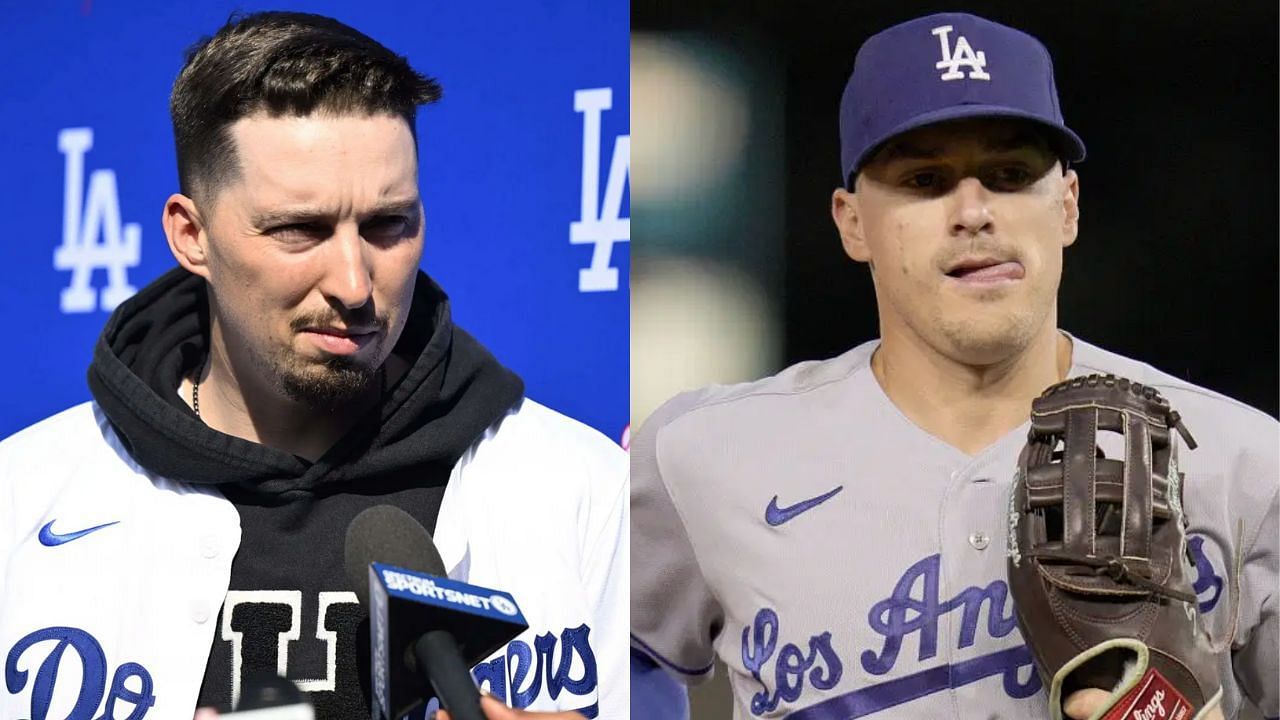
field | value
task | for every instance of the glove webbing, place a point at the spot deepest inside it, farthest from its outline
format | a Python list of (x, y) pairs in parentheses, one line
[(1117, 569)]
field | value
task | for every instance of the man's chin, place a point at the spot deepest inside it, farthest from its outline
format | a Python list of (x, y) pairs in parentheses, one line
[(988, 342), (330, 386)]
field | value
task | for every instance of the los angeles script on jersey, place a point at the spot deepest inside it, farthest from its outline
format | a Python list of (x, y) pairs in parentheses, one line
[(114, 685), (914, 610)]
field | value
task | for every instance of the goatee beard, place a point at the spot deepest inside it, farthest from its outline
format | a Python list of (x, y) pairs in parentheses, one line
[(337, 384)]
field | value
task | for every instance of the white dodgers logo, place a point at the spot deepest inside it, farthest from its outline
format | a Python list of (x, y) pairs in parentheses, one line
[(93, 238), (600, 224), (961, 55)]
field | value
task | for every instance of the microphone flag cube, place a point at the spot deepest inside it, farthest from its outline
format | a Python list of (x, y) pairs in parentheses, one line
[(403, 605)]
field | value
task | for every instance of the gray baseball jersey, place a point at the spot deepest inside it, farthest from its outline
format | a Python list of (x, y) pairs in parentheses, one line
[(845, 563)]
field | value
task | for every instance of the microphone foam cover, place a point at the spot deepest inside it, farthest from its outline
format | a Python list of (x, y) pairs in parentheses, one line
[(388, 535)]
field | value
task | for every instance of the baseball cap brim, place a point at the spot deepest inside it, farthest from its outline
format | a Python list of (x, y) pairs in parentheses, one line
[(1066, 143)]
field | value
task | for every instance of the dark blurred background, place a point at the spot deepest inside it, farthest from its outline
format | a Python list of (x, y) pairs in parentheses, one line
[(1176, 263), (737, 269)]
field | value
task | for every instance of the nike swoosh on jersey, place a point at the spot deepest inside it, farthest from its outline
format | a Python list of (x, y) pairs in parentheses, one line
[(776, 516), (49, 538)]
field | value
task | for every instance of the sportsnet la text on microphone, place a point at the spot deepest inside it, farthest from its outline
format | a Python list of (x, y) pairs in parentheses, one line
[(428, 588)]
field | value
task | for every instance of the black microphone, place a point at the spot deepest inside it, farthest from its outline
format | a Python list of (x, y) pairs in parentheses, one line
[(425, 630)]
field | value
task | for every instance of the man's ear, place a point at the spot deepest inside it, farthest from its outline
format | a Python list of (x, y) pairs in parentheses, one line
[(845, 213), (1070, 207), (184, 228)]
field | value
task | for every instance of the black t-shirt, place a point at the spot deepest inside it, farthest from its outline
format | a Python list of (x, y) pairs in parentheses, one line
[(290, 604)]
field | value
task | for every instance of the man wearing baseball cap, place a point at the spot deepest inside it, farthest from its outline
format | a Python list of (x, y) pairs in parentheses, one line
[(835, 534), (888, 95)]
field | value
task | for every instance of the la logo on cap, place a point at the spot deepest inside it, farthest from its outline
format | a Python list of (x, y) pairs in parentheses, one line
[(962, 55)]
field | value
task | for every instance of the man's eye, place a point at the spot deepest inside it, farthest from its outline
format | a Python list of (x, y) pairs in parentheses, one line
[(299, 231), (1010, 177), (386, 227), (924, 180)]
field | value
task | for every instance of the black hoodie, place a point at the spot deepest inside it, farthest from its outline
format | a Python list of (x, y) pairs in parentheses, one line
[(294, 513)]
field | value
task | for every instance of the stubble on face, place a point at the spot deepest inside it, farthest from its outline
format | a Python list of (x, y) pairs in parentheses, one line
[(332, 381), (328, 191), (325, 382), (997, 333), (983, 326), (915, 235)]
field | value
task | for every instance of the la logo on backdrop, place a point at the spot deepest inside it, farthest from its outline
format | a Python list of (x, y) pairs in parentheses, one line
[(600, 223), (93, 236)]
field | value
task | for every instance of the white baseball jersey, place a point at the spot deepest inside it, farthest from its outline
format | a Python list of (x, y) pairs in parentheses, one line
[(844, 563), (112, 577)]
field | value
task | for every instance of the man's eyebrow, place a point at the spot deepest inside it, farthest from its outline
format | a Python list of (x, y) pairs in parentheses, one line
[(308, 213)]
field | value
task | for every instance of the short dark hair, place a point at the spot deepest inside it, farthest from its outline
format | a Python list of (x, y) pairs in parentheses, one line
[(281, 63)]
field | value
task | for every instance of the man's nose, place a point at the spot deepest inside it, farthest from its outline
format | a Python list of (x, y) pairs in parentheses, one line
[(348, 275), (972, 211)]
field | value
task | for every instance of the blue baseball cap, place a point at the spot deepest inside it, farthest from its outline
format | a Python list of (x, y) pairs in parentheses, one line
[(945, 67)]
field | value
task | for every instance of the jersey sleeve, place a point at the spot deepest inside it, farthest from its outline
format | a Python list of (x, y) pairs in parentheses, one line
[(674, 614), (1257, 647)]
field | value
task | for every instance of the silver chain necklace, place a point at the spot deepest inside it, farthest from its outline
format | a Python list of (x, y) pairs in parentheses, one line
[(195, 396)]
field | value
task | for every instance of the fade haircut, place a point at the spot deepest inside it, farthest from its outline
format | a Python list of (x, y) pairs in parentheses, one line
[(281, 64)]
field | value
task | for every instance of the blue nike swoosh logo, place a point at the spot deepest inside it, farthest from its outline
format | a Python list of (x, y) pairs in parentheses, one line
[(776, 516), (49, 538)]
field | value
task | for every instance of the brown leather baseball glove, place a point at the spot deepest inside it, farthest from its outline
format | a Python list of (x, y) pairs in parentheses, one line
[(1098, 563)]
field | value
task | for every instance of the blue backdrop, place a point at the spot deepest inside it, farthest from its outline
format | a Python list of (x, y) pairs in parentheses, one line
[(524, 177)]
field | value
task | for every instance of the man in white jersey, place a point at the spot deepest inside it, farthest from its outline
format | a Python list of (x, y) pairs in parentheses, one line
[(185, 529), (835, 534)]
